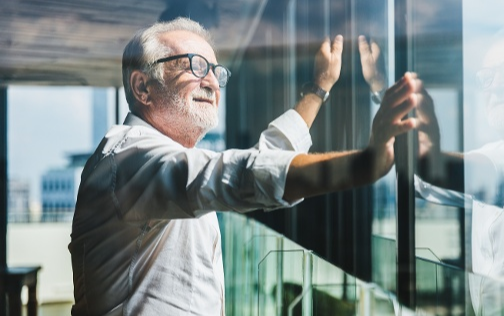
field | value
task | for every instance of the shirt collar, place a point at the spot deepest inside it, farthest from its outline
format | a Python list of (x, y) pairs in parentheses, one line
[(133, 120)]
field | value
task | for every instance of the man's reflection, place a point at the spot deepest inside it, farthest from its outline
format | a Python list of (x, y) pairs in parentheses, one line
[(372, 73), (474, 180), (471, 180), (491, 79)]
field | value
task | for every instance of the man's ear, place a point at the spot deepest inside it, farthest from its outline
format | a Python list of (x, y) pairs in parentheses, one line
[(138, 83)]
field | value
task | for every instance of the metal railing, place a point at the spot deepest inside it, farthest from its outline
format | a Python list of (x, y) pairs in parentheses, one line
[(63, 215)]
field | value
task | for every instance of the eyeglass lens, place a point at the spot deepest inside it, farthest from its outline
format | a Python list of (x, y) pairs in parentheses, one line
[(200, 68), (486, 76)]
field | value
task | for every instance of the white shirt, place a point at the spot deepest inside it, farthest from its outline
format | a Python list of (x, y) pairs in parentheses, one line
[(145, 239), (487, 291), (487, 229)]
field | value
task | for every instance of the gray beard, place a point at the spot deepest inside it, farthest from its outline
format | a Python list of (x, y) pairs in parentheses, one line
[(188, 119)]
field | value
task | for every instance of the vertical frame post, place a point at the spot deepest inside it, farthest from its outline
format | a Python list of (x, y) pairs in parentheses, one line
[(3, 195), (405, 161), (117, 105)]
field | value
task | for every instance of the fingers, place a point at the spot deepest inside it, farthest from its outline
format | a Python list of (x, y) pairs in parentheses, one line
[(337, 45), (391, 120), (334, 47), (364, 48), (328, 62), (368, 50), (325, 48), (369, 56), (375, 50), (400, 111), (402, 89), (398, 103), (404, 126), (425, 100), (394, 116)]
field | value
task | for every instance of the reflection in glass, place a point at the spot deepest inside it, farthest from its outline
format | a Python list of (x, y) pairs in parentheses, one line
[(471, 179)]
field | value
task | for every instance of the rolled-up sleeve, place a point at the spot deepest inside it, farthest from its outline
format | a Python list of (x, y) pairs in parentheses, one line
[(241, 180), (288, 132)]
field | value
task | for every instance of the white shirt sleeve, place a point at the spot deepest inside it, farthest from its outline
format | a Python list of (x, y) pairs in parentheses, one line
[(439, 195), (289, 132)]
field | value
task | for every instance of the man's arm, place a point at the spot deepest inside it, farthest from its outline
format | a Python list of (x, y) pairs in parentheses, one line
[(290, 131), (461, 172), (326, 72), (315, 174)]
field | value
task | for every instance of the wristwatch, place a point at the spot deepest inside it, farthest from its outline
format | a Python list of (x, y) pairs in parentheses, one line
[(377, 96), (312, 87)]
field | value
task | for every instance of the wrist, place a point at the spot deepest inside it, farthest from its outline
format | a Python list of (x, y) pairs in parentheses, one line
[(377, 96), (376, 83), (323, 84), (314, 88), (377, 87)]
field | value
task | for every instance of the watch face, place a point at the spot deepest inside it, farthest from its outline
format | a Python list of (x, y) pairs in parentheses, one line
[(315, 89), (321, 93), (326, 95), (375, 98)]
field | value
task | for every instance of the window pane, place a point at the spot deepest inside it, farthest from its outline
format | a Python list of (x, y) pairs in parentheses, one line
[(459, 197), (51, 132)]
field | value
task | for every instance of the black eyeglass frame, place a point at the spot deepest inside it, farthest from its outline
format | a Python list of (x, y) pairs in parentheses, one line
[(209, 65)]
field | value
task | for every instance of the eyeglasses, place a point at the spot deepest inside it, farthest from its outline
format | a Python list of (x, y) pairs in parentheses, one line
[(200, 67), (486, 76)]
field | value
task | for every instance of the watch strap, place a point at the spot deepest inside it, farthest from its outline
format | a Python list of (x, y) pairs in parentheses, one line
[(311, 87)]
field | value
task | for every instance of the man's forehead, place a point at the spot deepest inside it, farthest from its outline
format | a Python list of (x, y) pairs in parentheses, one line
[(182, 42)]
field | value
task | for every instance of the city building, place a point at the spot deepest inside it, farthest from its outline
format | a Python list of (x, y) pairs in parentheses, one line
[(59, 190), (60, 185), (18, 201)]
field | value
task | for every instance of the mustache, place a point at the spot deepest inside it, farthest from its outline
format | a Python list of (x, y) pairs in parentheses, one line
[(203, 94)]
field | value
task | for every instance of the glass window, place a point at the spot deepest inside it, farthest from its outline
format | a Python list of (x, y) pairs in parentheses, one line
[(433, 241), (47, 128), (454, 49)]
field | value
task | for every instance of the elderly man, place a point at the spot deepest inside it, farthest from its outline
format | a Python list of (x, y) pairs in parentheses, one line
[(145, 237)]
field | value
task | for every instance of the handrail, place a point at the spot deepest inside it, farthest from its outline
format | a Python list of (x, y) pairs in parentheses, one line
[(267, 274)]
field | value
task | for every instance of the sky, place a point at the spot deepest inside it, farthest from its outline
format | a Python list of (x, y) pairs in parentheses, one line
[(44, 125)]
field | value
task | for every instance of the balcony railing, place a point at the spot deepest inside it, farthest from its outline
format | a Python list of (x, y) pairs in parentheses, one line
[(60, 215), (268, 274)]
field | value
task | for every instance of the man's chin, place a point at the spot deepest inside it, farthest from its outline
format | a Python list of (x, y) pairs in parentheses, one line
[(204, 132), (212, 126), (207, 127)]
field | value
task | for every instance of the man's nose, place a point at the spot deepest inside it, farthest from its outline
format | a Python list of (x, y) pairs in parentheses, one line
[(496, 89), (210, 81)]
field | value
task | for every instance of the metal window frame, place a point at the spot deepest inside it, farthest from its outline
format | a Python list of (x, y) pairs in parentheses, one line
[(3, 194), (405, 169)]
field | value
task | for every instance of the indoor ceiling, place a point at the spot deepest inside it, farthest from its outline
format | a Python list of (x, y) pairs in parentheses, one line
[(70, 42)]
